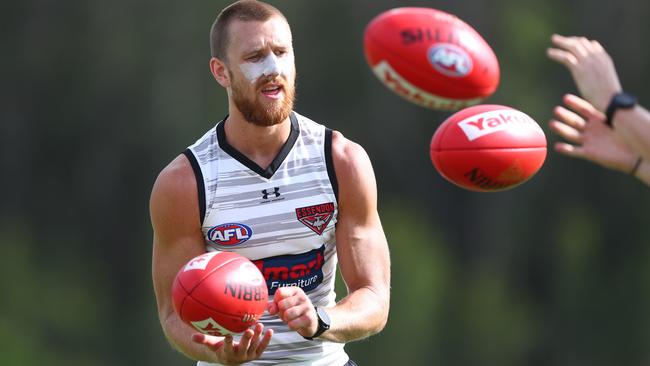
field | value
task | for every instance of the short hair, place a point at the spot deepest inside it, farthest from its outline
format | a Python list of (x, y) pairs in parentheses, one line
[(243, 10)]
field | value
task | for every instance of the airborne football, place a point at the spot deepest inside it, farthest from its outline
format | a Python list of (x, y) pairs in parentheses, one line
[(488, 148), (431, 58)]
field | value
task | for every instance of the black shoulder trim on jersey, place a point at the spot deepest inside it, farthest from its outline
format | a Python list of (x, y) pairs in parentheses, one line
[(200, 185), (329, 161), (275, 164)]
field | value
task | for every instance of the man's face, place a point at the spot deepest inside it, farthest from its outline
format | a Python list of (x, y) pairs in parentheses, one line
[(262, 70)]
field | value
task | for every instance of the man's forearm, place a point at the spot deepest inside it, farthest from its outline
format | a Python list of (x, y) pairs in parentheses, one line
[(634, 126), (359, 315), (179, 335)]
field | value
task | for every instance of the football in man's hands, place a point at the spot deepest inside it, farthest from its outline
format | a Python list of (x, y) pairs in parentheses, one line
[(488, 148), (431, 58), (219, 293)]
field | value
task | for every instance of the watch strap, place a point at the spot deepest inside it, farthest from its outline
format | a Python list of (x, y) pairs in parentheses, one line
[(619, 100), (322, 326), (609, 113)]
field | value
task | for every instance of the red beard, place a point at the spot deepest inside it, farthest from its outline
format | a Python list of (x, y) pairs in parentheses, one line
[(256, 112)]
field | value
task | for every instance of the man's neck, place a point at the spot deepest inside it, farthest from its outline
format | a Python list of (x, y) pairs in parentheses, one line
[(259, 144)]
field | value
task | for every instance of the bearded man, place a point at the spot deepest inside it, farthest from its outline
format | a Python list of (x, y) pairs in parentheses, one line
[(307, 194)]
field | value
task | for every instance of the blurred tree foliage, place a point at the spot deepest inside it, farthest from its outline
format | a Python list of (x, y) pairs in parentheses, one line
[(98, 96)]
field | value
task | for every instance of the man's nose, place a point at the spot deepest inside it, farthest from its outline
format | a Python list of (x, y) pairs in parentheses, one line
[(272, 67)]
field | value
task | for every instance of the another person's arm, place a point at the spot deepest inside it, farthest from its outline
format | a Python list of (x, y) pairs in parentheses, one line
[(595, 76), (363, 257), (591, 139), (177, 239)]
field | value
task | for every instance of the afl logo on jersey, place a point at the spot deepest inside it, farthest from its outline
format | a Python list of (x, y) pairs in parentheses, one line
[(229, 234)]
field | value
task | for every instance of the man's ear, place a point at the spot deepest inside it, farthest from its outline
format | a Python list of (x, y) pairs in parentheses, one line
[(219, 71)]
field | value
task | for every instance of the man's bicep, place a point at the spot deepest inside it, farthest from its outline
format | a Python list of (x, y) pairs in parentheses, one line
[(361, 243), (176, 225)]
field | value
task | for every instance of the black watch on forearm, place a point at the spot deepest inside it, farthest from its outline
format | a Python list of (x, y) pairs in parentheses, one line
[(323, 323), (620, 100)]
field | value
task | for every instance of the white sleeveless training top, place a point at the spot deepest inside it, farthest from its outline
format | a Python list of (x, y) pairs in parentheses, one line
[(282, 218)]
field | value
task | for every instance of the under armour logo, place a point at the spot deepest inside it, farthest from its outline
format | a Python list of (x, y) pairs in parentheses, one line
[(266, 193)]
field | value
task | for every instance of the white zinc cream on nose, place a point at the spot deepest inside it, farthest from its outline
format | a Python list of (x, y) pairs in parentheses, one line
[(269, 65)]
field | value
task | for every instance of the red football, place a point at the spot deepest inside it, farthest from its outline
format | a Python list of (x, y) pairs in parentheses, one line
[(219, 293), (488, 148), (431, 58)]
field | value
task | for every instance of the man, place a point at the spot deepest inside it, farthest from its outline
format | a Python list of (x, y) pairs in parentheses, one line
[(608, 127), (307, 194)]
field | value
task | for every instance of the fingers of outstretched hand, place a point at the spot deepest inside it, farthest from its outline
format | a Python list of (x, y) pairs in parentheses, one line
[(569, 150), (565, 131), (583, 108), (596, 46), (575, 45), (241, 350), (564, 57), (261, 346), (228, 347), (569, 117), (251, 345), (255, 341)]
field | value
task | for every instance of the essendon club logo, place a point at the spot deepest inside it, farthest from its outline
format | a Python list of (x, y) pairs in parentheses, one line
[(316, 217)]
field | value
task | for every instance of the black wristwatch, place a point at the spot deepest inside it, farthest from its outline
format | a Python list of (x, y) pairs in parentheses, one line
[(620, 100), (323, 323)]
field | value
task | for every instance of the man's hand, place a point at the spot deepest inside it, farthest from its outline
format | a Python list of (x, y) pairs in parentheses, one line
[(228, 352), (591, 67), (585, 127), (294, 308)]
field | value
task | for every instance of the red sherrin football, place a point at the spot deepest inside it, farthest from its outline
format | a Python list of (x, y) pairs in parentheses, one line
[(219, 293), (488, 148), (431, 58)]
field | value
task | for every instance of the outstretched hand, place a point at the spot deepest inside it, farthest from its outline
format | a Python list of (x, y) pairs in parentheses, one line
[(591, 67), (228, 352), (584, 127)]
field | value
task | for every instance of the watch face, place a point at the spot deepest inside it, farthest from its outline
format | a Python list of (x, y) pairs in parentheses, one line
[(625, 100), (323, 316)]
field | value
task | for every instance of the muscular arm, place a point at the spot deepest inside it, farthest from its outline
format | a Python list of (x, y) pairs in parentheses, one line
[(177, 239), (361, 246)]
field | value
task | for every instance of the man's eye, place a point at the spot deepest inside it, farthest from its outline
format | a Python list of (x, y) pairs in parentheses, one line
[(280, 52), (255, 58)]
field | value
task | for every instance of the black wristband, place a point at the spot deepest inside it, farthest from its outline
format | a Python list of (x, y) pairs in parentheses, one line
[(621, 100), (323, 323)]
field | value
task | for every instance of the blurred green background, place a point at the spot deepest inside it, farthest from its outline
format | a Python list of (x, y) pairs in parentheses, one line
[(97, 97)]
